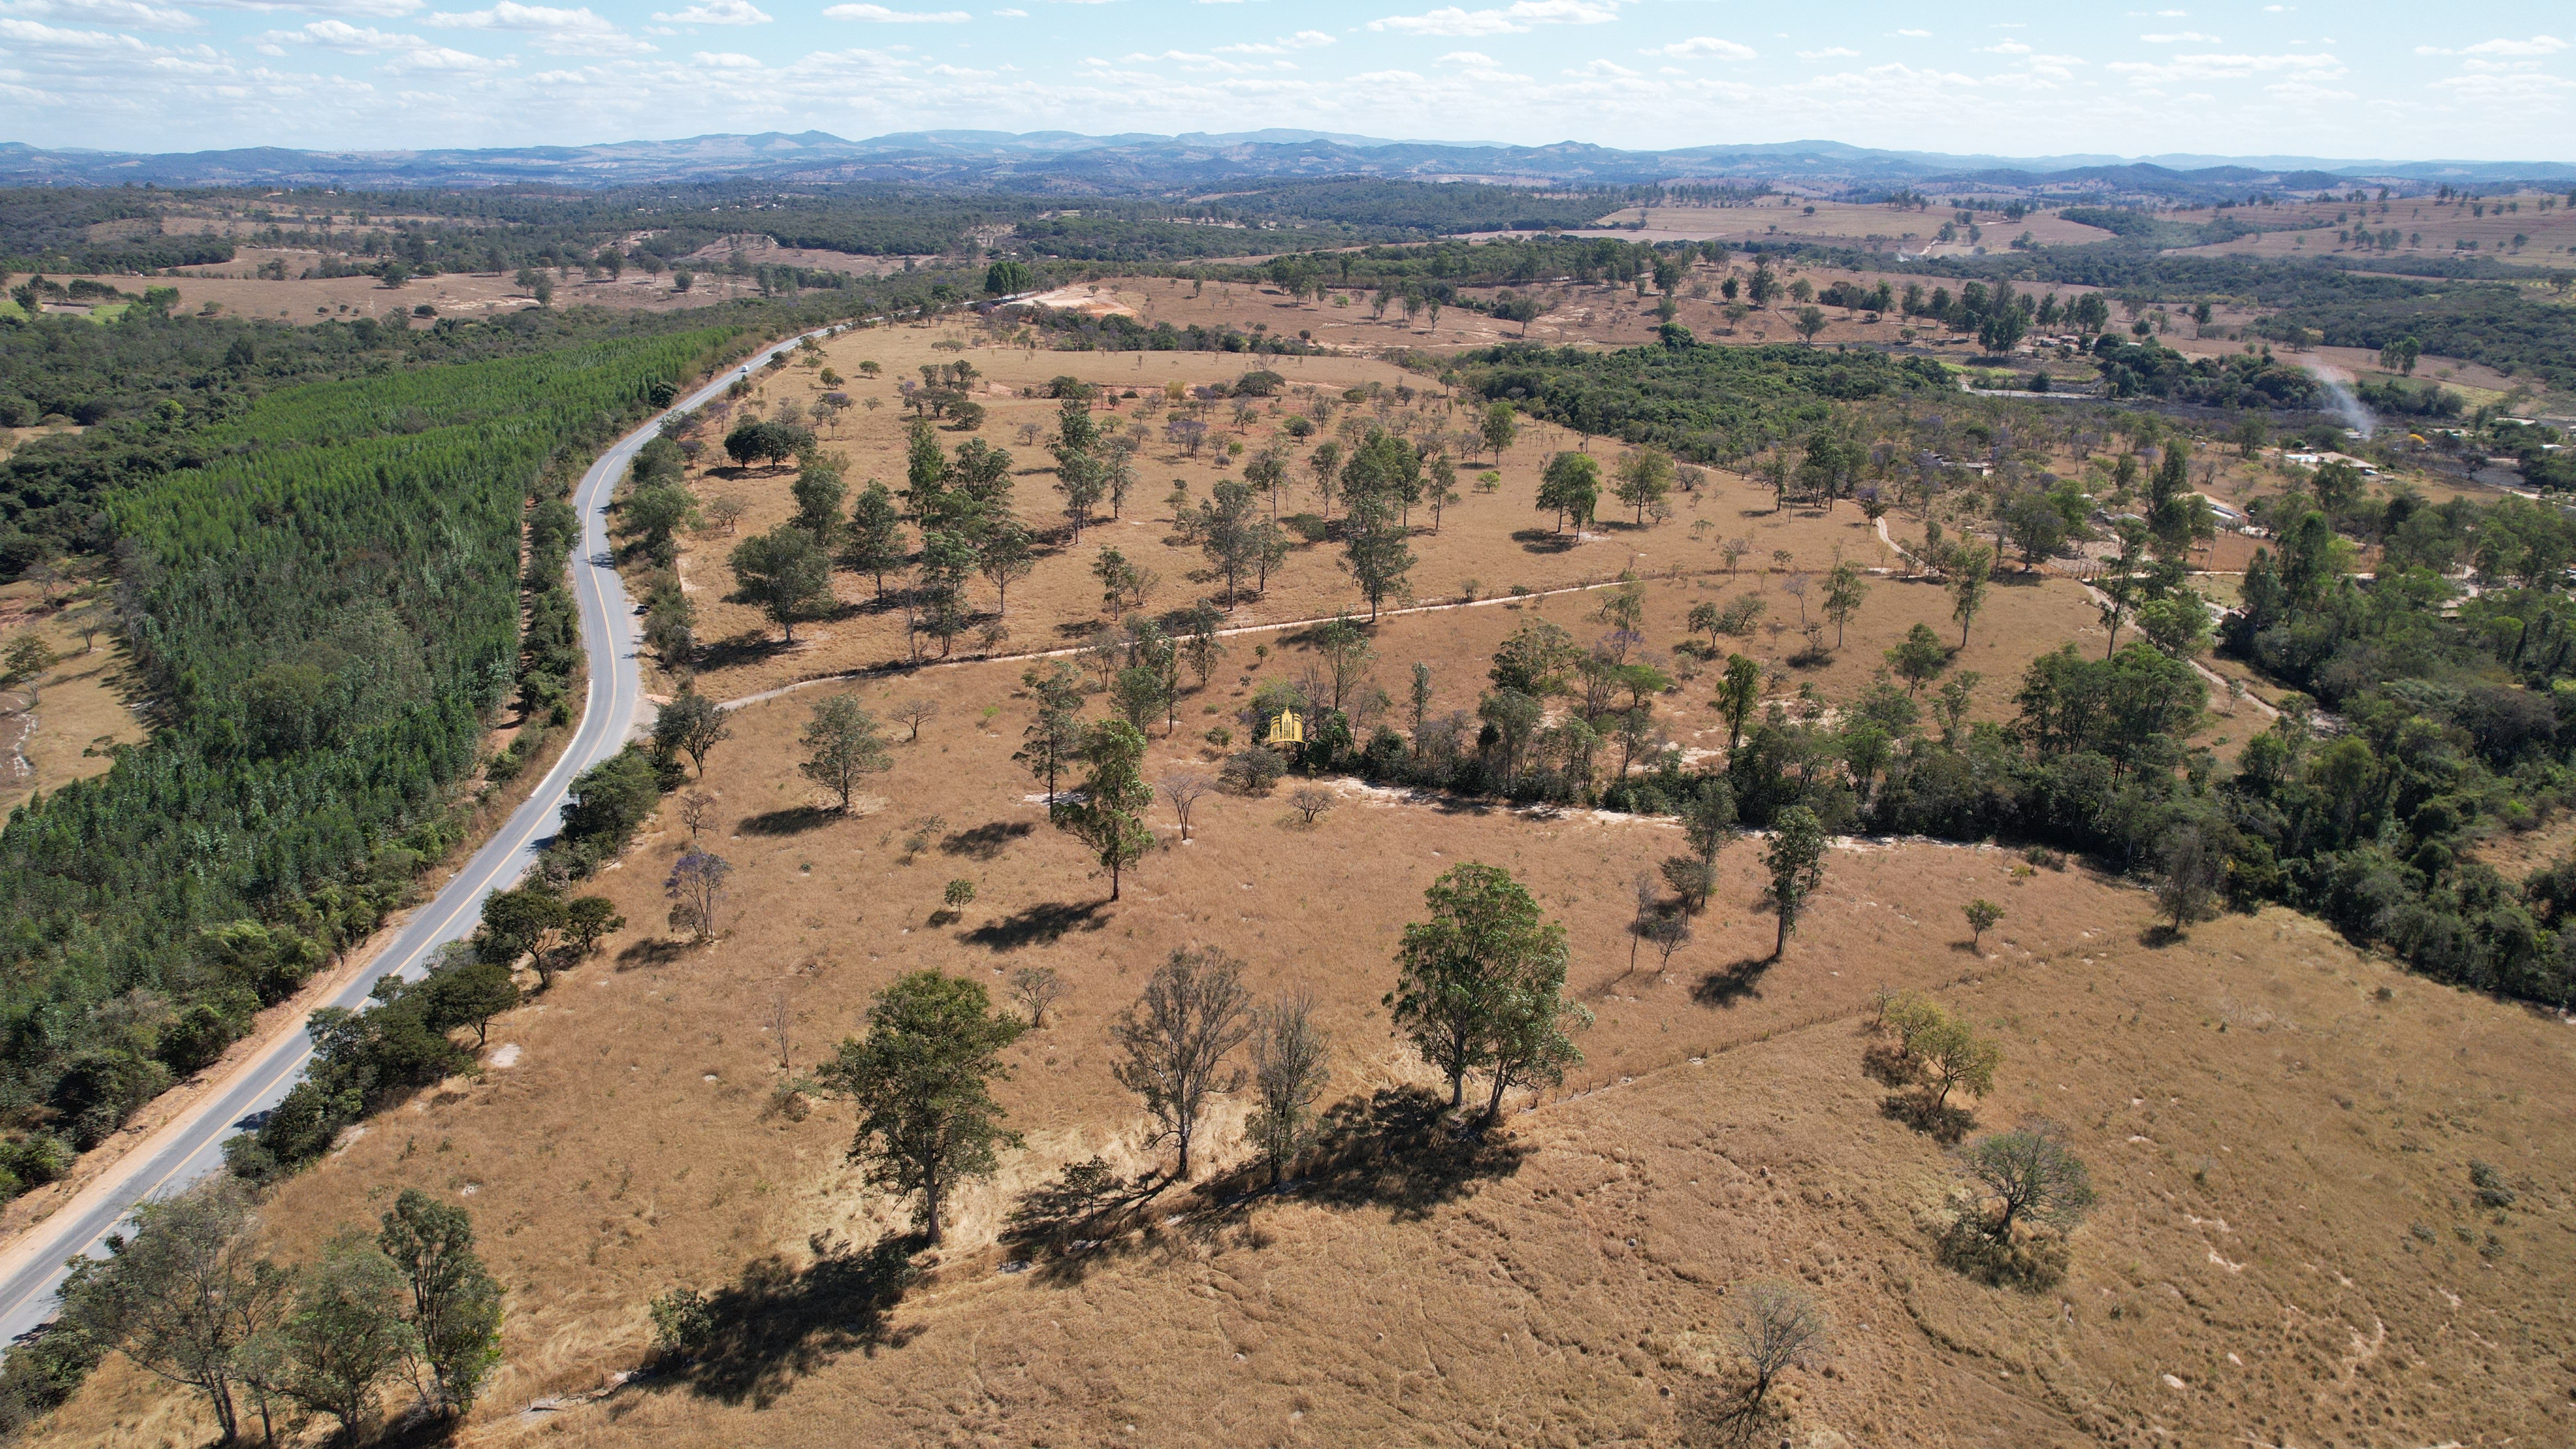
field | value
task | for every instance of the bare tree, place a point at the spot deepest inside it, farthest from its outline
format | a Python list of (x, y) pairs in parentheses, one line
[(1038, 988), (693, 810), (916, 712), (781, 1021), (1649, 905), (1183, 788), (1288, 1073), (698, 893), (1194, 1013), (1776, 1327), (1669, 934), (1311, 801)]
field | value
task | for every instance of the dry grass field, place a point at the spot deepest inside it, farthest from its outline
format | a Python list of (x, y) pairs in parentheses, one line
[(2430, 228), (80, 707), (2287, 1248)]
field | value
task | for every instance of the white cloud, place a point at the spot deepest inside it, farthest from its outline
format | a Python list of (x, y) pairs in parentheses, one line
[(718, 12), (1523, 16), (2005, 47), (439, 60), (1703, 45), (2228, 67), (1012, 14), (1830, 52), (558, 31), (2181, 37), (1302, 40), (371, 9), (880, 15), (1603, 68), (725, 60), (1916, 34), (2520, 88), (347, 39), (2536, 45), (38, 36), (140, 14)]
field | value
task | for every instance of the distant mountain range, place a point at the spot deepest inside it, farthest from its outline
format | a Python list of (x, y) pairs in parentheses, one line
[(1060, 161)]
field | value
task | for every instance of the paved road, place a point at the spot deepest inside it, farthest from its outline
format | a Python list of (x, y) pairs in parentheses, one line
[(190, 1146)]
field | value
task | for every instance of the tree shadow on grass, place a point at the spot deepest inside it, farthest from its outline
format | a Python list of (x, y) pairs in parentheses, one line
[(1086, 1216), (1730, 984), (776, 1324), (748, 648), (1731, 1417), (985, 841), (794, 820), (651, 951), (1543, 540), (1917, 1108), (1039, 925), (1397, 1149)]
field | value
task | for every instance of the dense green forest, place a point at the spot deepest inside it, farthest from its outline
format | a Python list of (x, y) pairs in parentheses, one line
[(1711, 404)]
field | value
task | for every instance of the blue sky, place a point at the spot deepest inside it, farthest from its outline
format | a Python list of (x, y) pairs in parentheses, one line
[(2492, 81)]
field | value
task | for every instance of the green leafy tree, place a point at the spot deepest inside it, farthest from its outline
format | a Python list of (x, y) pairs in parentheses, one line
[(1645, 478), (1535, 660), (1796, 860), (1845, 587), (1477, 985), (1971, 569), (347, 1334), (523, 924), (786, 574), (1570, 487), (874, 544), (1809, 322), (691, 725), (921, 1080), (1919, 658), (818, 492), (1052, 740), (1007, 278), (1497, 427), (1109, 816), (655, 512), (1982, 915), (843, 746), (2030, 1176), (1374, 549), (455, 1304), (1739, 693), (587, 919), (1005, 556)]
